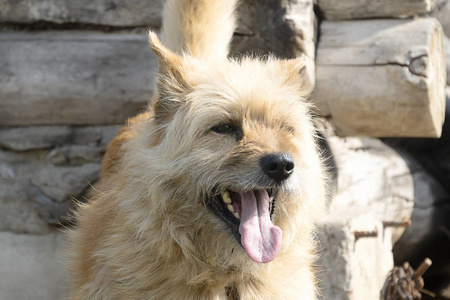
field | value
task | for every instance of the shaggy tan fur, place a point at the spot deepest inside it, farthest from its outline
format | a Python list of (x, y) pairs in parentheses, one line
[(149, 233)]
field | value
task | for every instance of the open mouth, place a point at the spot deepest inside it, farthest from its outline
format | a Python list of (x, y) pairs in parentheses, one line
[(249, 217), (228, 205)]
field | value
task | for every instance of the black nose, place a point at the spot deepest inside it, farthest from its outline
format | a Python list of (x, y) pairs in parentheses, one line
[(278, 166)]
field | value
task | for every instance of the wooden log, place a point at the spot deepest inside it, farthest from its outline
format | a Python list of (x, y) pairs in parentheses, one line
[(447, 57), (284, 28), (121, 13), (73, 77), (382, 78), (365, 9), (442, 13), (82, 85)]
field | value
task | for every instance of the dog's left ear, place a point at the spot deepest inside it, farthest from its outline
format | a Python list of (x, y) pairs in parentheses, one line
[(299, 71), (172, 84)]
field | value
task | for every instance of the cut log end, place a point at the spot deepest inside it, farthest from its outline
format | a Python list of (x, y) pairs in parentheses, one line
[(382, 78)]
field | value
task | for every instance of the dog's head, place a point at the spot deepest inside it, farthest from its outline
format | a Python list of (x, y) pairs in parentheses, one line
[(236, 140)]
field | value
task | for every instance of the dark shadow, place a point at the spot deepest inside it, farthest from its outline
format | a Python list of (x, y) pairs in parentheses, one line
[(429, 234)]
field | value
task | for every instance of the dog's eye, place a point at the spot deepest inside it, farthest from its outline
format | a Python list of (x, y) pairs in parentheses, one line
[(290, 129), (224, 129)]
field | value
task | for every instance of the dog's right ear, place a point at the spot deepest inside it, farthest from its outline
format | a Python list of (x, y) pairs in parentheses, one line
[(172, 84), (168, 61)]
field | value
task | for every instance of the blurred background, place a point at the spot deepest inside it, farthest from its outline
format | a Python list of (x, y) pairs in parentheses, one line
[(72, 72)]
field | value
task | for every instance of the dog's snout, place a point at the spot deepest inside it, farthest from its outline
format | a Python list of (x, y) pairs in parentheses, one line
[(277, 166)]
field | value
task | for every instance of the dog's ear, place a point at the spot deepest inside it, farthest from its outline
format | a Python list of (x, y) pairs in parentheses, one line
[(299, 71), (172, 84), (168, 61)]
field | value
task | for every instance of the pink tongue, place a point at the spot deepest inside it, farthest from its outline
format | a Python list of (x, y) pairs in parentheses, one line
[(260, 238)]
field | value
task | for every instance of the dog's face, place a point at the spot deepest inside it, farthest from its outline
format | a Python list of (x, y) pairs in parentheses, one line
[(237, 138)]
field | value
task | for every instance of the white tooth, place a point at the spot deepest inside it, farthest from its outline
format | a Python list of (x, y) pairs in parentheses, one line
[(237, 216), (226, 197), (230, 207)]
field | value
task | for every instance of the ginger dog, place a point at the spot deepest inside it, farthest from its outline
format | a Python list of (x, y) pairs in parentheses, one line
[(213, 192)]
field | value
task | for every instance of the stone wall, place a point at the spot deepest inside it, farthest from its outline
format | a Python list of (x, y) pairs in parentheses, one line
[(72, 71)]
